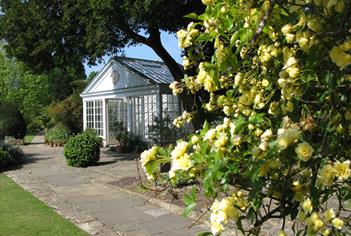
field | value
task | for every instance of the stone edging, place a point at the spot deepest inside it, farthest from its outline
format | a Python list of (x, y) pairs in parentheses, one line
[(44, 192), (168, 206)]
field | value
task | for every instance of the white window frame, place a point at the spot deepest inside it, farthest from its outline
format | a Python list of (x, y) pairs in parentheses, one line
[(95, 116)]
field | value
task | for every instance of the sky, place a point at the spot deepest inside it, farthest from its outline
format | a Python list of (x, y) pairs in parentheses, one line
[(169, 41)]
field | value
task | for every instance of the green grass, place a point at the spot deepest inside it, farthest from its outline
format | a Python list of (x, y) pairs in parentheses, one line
[(28, 138), (23, 214)]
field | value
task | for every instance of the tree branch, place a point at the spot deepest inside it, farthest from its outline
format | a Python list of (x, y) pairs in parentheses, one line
[(135, 36), (263, 21)]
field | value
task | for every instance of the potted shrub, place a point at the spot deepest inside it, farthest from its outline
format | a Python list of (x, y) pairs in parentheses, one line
[(121, 134)]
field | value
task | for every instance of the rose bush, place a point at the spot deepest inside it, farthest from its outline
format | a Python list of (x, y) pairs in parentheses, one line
[(279, 72)]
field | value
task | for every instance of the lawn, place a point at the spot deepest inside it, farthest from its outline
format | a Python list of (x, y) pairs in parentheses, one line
[(23, 214), (28, 138)]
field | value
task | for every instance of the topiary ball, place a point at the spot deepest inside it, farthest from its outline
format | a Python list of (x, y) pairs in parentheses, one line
[(82, 150)]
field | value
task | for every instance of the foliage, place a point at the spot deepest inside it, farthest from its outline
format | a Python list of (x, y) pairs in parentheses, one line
[(57, 135), (69, 111), (162, 131), (10, 155), (91, 76), (279, 71), (29, 91), (23, 214), (83, 149), (14, 142), (88, 29), (120, 132), (28, 139), (134, 143), (12, 122)]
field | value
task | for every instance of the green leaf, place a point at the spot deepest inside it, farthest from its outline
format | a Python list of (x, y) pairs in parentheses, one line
[(205, 234), (206, 37), (192, 16), (188, 209)]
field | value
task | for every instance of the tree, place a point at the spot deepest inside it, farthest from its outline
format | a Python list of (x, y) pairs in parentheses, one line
[(29, 91), (12, 122), (46, 33), (280, 75), (60, 34), (69, 111)]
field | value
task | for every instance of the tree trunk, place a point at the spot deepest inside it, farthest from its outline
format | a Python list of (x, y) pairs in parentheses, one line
[(189, 103), (154, 42)]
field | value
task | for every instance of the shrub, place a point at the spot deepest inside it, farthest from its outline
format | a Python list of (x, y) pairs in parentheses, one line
[(83, 149), (10, 155), (120, 132), (13, 142), (133, 143), (57, 135), (68, 112), (12, 122)]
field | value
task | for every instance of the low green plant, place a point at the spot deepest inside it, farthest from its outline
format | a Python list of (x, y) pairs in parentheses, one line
[(13, 141), (162, 131), (83, 149), (120, 132), (134, 143), (12, 122), (10, 155), (57, 135)]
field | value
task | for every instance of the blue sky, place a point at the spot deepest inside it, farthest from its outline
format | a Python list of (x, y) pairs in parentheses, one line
[(169, 41)]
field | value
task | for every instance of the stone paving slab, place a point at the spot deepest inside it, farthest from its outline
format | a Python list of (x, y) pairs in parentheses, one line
[(84, 196)]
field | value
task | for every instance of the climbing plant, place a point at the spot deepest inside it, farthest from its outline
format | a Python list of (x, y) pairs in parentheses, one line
[(280, 74)]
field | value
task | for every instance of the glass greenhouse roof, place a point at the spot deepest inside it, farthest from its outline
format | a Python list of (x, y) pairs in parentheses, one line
[(156, 71)]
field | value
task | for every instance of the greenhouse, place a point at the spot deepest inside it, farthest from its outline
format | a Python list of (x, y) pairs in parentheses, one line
[(132, 91)]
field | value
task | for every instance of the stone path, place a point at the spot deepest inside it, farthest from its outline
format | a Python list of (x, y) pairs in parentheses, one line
[(85, 196)]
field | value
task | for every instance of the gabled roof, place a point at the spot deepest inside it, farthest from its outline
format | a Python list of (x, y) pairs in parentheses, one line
[(149, 73), (156, 71)]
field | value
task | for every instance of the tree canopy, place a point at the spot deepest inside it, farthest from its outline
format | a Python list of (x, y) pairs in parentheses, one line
[(45, 34), (30, 92)]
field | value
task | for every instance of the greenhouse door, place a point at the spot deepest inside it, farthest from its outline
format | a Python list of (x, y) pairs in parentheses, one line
[(117, 112)]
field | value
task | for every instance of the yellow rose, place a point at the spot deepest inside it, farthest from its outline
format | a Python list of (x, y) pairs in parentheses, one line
[(287, 138), (282, 233), (179, 150), (148, 155), (181, 163), (342, 170), (216, 227), (307, 205), (337, 223), (339, 57), (304, 151), (237, 140), (290, 38), (209, 84), (183, 39), (286, 29), (327, 174), (221, 141), (195, 139), (317, 224), (326, 232), (210, 135), (329, 215), (346, 46), (171, 174), (265, 83), (184, 162)]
